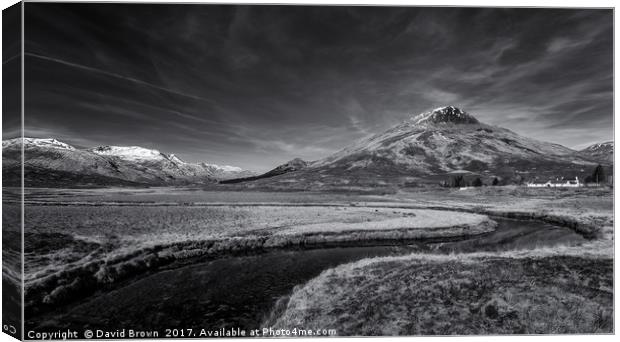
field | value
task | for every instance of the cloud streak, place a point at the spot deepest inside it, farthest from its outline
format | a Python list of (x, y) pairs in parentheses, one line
[(115, 75)]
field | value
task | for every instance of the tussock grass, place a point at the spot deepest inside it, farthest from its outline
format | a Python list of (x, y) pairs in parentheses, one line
[(447, 295)]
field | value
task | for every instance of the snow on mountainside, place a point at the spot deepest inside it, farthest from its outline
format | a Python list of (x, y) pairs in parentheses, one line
[(433, 145), (49, 162), (50, 143), (601, 152), (141, 155), (132, 153), (448, 114)]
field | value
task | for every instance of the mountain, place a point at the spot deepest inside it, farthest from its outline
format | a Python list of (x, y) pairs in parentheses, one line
[(602, 152), (296, 164), (429, 148), (434, 146), (49, 162)]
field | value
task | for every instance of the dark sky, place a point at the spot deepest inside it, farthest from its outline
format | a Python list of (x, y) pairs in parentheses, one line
[(255, 86)]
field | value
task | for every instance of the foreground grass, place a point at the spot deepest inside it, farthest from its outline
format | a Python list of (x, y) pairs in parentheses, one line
[(430, 295)]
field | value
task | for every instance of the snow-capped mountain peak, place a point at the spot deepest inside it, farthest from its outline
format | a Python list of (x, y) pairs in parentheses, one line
[(168, 162), (128, 152), (435, 144), (601, 152), (599, 146), (448, 114), (37, 142), (107, 165)]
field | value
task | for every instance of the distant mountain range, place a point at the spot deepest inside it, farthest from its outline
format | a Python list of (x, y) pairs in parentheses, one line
[(49, 162), (428, 148), (603, 152), (434, 146)]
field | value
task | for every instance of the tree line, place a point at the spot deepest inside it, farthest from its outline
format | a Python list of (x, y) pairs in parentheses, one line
[(459, 181)]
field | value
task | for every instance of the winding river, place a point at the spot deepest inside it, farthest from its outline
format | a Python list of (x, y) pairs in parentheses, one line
[(242, 291)]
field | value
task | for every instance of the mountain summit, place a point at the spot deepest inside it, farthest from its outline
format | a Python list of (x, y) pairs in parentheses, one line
[(449, 114), (433, 147)]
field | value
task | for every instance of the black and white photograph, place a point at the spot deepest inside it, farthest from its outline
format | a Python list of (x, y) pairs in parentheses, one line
[(205, 170)]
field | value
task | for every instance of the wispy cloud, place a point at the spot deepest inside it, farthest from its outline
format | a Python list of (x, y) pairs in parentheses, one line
[(115, 75)]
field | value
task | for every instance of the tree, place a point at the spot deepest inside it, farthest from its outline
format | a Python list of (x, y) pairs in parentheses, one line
[(495, 181), (477, 182), (458, 181), (598, 175)]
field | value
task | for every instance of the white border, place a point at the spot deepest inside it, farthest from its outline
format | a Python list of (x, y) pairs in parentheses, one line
[(467, 3), (471, 3)]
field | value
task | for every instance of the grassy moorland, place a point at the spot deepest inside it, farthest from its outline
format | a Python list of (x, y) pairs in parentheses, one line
[(430, 295), (80, 240)]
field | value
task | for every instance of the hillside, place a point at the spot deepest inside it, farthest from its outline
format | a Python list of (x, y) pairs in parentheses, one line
[(51, 163), (602, 152), (296, 164)]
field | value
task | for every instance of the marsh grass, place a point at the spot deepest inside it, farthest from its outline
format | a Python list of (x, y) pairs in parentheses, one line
[(478, 296)]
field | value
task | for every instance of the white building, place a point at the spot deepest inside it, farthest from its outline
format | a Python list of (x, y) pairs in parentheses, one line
[(558, 184)]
